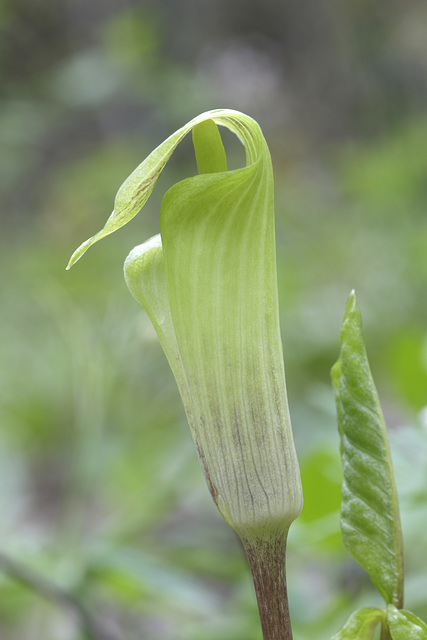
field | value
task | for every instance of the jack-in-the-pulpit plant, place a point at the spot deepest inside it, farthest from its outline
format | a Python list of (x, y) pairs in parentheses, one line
[(208, 283)]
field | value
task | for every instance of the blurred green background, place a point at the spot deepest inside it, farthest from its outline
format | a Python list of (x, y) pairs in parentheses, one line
[(100, 487)]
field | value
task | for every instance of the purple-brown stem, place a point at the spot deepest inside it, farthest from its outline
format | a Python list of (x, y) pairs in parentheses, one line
[(267, 560), (385, 633)]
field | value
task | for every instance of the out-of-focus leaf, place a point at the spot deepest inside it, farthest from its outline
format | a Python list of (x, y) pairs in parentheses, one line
[(378, 175), (130, 573), (370, 521), (404, 625), (360, 625), (407, 364), (321, 480)]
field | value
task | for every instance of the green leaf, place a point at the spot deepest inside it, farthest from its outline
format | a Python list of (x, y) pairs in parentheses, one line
[(370, 521), (209, 285), (361, 625), (404, 625)]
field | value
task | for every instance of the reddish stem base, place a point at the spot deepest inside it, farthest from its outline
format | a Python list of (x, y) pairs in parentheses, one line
[(267, 561)]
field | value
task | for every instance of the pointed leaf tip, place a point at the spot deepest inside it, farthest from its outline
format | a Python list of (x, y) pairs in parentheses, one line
[(352, 309), (352, 301)]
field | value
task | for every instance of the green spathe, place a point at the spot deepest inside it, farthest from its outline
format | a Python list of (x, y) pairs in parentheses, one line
[(208, 283)]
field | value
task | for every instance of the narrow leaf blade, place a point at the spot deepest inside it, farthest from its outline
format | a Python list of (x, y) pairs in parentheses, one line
[(370, 521), (360, 625)]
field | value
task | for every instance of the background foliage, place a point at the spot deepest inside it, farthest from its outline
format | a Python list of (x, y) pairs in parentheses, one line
[(100, 489)]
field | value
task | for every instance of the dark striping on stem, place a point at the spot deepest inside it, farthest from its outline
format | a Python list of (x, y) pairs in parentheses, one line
[(267, 560)]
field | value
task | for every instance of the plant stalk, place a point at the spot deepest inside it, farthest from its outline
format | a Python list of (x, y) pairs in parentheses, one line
[(267, 561), (385, 632)]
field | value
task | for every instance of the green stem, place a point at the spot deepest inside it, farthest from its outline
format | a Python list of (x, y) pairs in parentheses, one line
[(267, 560)]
